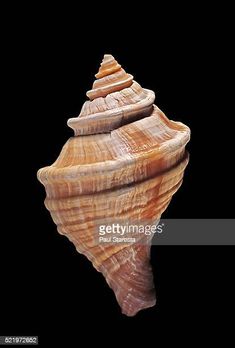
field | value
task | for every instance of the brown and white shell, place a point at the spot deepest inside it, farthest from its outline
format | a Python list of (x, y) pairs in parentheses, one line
[(124, 163)]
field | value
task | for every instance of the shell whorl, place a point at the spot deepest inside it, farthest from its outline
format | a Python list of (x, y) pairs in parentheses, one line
[(114, 100)]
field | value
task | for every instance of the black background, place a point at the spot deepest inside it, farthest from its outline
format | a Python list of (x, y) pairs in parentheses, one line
[(47, 288)]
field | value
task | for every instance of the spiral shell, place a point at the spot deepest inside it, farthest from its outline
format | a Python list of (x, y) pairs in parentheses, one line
[(124, 163)]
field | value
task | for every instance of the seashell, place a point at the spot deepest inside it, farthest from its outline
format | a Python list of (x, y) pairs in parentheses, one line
[(124, 163)]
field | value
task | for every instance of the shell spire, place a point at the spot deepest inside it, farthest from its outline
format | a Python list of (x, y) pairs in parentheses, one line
[(114, 100), (111, 77), (108, 66)]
